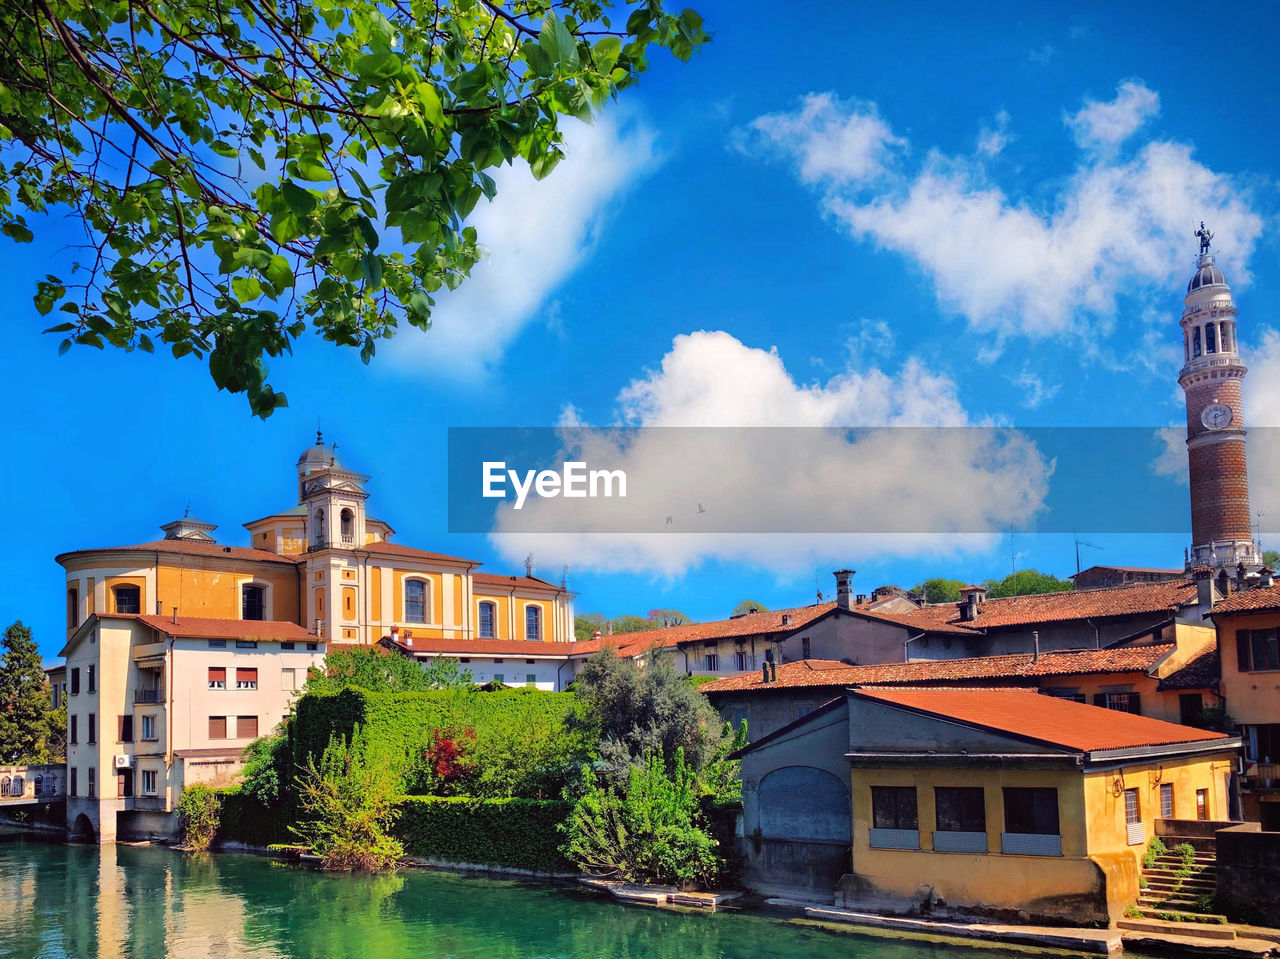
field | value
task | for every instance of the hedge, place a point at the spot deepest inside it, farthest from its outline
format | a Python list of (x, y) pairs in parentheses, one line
[(245, 820), (518, 833), (402, 722)]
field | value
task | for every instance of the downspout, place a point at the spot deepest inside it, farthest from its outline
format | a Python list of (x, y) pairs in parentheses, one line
[(1097, 634), (168, 738), (907, 641)]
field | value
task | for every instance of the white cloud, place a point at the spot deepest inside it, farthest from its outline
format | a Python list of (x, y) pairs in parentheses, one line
[(1105, 125), (1036, 392), (994, 138), (957, 487), (1011, 266), (535, 234), (833, 141), (1262, 416)]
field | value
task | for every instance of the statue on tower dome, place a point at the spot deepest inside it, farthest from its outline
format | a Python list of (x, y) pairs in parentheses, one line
[(1205, 236)]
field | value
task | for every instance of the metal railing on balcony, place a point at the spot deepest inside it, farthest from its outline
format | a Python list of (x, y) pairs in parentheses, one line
[(148, 696), (1263, 776)]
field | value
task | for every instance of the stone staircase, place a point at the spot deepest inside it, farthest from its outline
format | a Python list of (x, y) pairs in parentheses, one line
[(1166, 894)]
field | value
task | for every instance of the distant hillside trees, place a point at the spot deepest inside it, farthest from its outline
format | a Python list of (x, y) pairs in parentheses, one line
[(1025, 582), (748, 606), (585, 625)]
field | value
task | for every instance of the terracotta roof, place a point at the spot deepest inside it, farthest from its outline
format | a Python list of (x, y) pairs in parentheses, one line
[(507, 582), (193, 627), (1130, 569), (1263, 598), (628, 645), (383, 548), (1200, 672), (190, 547), (812, 673), (515, 648), (752, 624), (1127, 600), (1046, 719)]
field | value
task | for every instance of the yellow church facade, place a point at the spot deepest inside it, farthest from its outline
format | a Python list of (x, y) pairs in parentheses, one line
[(323, 564)]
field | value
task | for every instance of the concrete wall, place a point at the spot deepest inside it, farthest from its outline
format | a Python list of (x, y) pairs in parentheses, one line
[(1249, 874)]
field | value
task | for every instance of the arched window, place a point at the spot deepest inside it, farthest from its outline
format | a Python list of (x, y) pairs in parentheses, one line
[(1211, 338), (253, 601), (39, 785), (1195, 342), (533, 622), (348, 520), (128, 599), (415, 601), (318, 533), (4, 786), (17, 787), (487, 617)]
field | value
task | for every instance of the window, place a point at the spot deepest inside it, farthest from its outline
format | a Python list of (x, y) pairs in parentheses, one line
[(960, 809), (217, 727), (148, 728), (711, 662), (124, 782), (1166, 800), (253, 602), (894, 807), (1121, 700), (530, 679), (1031, 811), (499, 677), (1202, 804), (246, 678), (528, 662), (496, 661), (486, 620), (1210, 338), (464, 659), (93, 785), (319, 530), (73, 607), (805, 647), (246, 727), (91, 678), (73, 734), (125, 729), (285, 646), (73, 782), (217, 644), (415, 601), (75, 680), (533, 622), (312, 647), (1190, 707), (1257, 649), (741, 662), (348, 524), (217, 677), (93, 727), (1195, 342), (246, 644), (148, 782), (128, 599), (1132, 808), (288, 679)]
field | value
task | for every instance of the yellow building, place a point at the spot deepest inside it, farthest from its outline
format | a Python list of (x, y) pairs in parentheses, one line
[(998, 800)]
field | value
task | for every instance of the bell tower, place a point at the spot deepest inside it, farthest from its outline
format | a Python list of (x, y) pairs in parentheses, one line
[(1221, 533)]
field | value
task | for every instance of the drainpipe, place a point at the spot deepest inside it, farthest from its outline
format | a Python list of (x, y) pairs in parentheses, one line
[(907, 641), (1097, 634), (1035, 645), (168, 736)]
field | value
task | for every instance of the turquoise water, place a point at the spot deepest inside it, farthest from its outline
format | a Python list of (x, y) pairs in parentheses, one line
[(92, 903)]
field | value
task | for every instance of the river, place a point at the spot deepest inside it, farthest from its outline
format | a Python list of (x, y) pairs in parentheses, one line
[(90, 902)]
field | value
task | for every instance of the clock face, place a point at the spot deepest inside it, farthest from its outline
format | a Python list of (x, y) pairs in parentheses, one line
[(1216, 416)]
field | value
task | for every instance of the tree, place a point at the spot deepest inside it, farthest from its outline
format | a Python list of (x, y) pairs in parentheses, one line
[(1026, 582), (243, 169), (629, 623), (199, 813), (28, 730), (1271, 558), (940, 590), (635, 713), (664, 618), (378, 671), (586, 625), (748, 606)]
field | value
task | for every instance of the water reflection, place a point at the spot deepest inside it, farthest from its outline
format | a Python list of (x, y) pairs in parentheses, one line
[(146, 903)]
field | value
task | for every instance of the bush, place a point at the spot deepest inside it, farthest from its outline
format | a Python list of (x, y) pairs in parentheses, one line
[(245, 820), (517, 833), (1155, 849), (652, 831), (198, 815), (347, 804)]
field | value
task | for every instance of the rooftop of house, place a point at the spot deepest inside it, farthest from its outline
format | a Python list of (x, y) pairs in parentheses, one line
[(1047, 720), (1261, 599), (196, 627), (190, 547), (1160, 571), (509, 582), (817, 673), (752, 624), (421, 646), (1199, 672)]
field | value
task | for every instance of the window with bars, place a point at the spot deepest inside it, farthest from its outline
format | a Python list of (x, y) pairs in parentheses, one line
[(486, 620), (1166, 800)]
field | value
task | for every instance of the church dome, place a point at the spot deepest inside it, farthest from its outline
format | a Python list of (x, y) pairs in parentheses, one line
[(318, 456), (1206, 275)]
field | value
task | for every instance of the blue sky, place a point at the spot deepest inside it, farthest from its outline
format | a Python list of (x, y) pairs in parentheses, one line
[(923, 213)]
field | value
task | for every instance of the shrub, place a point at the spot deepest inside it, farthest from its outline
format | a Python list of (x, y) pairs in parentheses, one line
[(198, 815), (652, 831), (1155, 849), (518, 833), (347, 802)]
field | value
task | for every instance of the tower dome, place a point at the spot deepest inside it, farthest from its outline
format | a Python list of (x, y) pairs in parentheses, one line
[(318, 456), (1207, 274)]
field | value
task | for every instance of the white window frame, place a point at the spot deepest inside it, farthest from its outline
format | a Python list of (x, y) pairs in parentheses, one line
[(247, 682), (153, 790), (426, 599)]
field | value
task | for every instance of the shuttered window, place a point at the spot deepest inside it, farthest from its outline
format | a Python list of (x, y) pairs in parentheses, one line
[(246, 727), (217, 677), (217, 727), (125, 729), (246, 678)]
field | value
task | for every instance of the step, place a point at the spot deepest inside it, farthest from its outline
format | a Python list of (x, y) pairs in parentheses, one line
[(1194, 930), (1185, 916), (1198, 858), (1203, 843), (1187, 888), (1167, 904)]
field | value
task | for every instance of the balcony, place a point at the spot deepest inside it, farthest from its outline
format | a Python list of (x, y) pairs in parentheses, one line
[(148, 697), (1262, 776)]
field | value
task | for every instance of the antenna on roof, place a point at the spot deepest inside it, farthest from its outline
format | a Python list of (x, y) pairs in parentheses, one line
[(1079, 543), (187, 511), (564, 576)]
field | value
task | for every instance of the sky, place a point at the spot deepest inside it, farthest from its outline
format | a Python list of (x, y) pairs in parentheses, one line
[(938, 215)]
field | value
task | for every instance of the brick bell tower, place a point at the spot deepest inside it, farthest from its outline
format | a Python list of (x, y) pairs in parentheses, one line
[(1221, 533)]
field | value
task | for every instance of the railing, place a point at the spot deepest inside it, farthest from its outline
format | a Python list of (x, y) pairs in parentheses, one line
[(1263, 776), (148, 697)]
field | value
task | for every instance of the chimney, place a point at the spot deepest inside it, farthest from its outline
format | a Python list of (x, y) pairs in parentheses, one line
[(773, 672), (971, 601), (175, 615), (1265, 577), (1241, 572), (1206, 594), (319, 630), (395, 634), (1035, 643), (862, 599), (596, 634), (1223, 584), (843, 588), (764, 672)]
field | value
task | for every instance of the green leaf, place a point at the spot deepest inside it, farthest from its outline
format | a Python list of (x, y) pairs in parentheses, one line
[(247, 288), (63, 347), (301, 200), (372, 264), (224, 149), (429, 102), (313, 171), (278, 272)]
